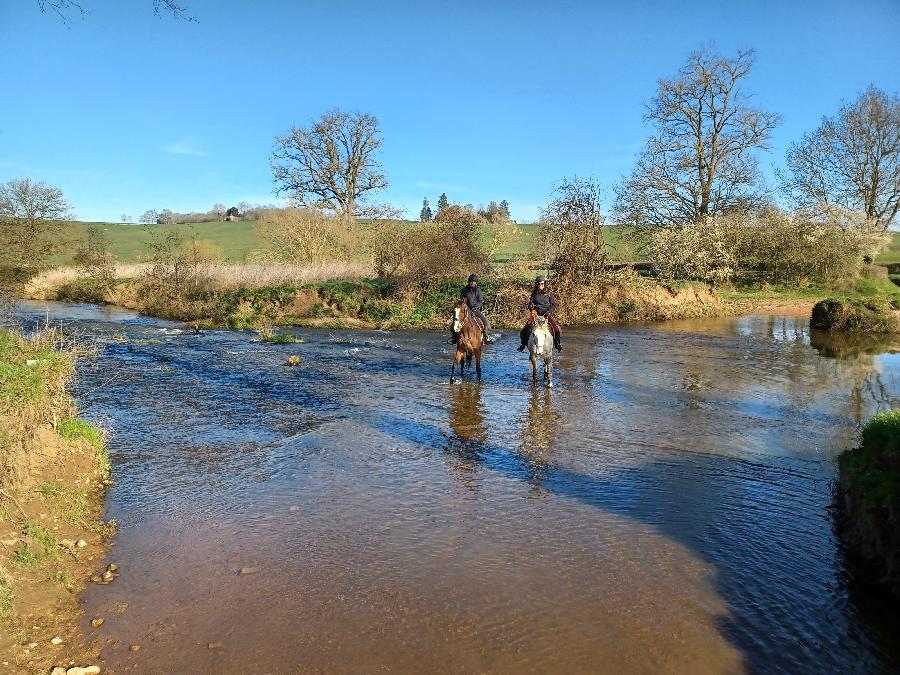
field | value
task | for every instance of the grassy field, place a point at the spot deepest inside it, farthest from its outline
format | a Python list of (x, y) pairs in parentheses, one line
[(892, 255), (129, 242), (239, 238)]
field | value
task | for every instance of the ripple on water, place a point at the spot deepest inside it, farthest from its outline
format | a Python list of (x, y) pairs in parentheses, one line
[(666, 507)]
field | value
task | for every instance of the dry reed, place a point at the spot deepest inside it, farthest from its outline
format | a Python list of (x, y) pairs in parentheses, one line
[(216, 276)]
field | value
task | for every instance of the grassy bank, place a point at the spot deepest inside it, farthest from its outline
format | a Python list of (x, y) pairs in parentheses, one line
[(870, 305), (361, 302), (54, 475), (870, 491), (892, 254)]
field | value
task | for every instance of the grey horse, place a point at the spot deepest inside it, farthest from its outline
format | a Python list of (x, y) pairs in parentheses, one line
[(540, 346)]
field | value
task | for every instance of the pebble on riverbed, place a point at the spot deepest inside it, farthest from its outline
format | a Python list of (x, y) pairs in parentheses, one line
[(214, 645), (77, 670), (134, 648), (248, 570), (96, 623), (293, 360)]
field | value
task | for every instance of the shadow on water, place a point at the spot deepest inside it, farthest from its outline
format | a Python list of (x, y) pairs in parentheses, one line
[(717, 436), (780, 617)]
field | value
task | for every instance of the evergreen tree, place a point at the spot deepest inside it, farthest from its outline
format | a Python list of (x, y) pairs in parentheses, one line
[(504, 210), (443, 202), (425, 214)]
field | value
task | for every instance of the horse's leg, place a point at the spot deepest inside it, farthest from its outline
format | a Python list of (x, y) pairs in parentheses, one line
[(548, 370), (457, 359), (478, 363), (533, 360)]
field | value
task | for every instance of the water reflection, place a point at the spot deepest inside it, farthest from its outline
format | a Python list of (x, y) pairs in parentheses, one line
[(468, 432), (538, 426), (683, 474), (840, 345)]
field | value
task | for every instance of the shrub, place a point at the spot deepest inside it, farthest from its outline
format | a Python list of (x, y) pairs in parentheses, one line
[(305, 235), (872, 316), (771, 246), (449, 248), (570, 235), (94, 258)]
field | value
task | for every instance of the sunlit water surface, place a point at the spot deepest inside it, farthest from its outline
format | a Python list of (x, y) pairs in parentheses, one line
[(667, 507)]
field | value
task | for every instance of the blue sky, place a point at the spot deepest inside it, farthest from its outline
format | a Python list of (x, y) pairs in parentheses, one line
[(126, 111)]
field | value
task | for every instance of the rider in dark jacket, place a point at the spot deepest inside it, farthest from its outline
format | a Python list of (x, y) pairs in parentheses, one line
[(472, 296), (543, 302)]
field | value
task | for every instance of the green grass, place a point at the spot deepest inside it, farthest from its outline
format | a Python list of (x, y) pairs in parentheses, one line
[(63, 578), (873, 288), (883, 432), (129, 242), (22, 384), (40, 545), (7, 600), (238, 239), (872, 466), (892, 255), (278, 338), (75, 429), (72, 505), (523, 245)]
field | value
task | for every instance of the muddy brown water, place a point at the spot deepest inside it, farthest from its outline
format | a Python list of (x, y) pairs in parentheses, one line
[(668, 507)]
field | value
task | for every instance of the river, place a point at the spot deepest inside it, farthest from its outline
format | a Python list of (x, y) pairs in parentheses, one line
[(667, 507)]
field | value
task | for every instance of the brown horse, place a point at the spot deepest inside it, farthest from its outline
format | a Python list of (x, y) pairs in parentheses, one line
[(469, 343)]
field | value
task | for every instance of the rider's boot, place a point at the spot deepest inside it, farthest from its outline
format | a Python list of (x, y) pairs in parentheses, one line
[(557, 342), (453, 339)]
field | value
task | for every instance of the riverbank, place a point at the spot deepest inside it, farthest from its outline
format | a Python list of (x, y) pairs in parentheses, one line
[(55, 472), (370, 303), (870, 499)]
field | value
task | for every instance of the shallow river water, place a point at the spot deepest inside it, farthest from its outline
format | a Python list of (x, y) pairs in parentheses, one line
[(667, 507)]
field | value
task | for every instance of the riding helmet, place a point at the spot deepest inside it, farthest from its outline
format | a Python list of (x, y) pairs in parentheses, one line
[(540, 278), (473, 277)]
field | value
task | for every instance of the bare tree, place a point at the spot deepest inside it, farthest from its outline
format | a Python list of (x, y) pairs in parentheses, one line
[(219, 210), (852, 160), (331, 163), (30, 229), (570, 234), (701, 161), (65, 9)]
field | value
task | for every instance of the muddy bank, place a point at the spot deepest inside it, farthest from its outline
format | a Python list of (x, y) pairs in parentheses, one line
[(376, 304), (52, 486), (870, 502)]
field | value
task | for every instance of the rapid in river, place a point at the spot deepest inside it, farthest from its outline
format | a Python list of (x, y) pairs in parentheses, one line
[(667, 507)]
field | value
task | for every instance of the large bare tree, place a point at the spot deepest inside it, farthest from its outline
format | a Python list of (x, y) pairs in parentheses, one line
[(330, 164), (852, 160), (66, 9), (701, 162)]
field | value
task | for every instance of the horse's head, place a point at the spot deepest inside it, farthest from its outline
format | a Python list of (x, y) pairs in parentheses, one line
[(459, 316)]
